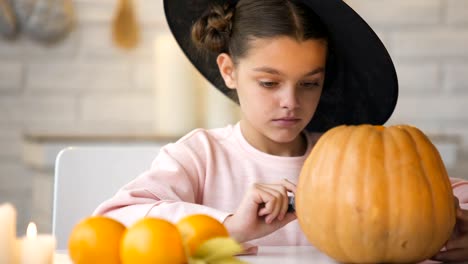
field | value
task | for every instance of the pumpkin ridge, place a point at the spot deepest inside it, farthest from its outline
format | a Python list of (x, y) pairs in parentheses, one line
[(387, 171), (387, 143), (318, 160), (336, 188), (354, 136), (364, 196), (329, 234), (377, 146), (434, 159), (313, 183), (396, 199), (403, 140), (428, 184), (413, 157), (439, 162)]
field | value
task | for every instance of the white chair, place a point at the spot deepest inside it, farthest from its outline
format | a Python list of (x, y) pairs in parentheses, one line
[(87, 176)]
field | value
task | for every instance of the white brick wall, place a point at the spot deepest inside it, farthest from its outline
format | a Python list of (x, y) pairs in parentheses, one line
[(10, 142), (126, 108), (67, 77), (85, 84), (428, 40), (457, 11), (398, 13), (25, 49), (437, 42), (10, 76), (96, 42), (418, 78), (54, 108), (95, 11), (15, 187), (14, 176), (9, 109), (149, 12), (456, 77), (42, 201), (436, 107)]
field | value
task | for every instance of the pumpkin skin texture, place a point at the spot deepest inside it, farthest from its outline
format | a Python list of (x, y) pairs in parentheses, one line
[(374, 194)]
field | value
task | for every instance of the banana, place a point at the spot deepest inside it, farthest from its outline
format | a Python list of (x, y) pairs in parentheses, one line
[(219, 250)]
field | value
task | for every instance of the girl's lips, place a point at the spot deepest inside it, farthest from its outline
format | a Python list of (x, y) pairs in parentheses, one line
[(287, 119), (286, 122)]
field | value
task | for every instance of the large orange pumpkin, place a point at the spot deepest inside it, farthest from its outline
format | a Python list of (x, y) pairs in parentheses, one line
[(374, 194)]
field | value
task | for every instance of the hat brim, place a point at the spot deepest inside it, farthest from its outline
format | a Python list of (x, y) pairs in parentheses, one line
[(361, 85)]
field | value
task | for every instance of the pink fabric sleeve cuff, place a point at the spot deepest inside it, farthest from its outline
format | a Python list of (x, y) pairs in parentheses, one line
[(171, 211), (174, 211)]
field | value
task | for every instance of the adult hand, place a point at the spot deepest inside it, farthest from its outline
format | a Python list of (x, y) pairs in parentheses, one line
[(262, 211), (457, 245)]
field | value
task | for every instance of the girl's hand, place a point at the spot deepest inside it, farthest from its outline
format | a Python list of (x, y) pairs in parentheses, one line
[(457, 246), (262, 211)]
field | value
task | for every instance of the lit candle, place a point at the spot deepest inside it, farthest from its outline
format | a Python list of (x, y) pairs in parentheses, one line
[(38, 249), (7, 234)]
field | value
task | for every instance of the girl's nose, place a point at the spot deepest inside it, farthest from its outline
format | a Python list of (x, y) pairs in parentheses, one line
[(289, 98)]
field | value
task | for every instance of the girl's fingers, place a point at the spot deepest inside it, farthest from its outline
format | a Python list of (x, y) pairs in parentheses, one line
[(291, 187), (284, 186), (462, 220), (453, 255), (457, 243), (278, 203), (462, 214), (456, 202), (266, 201), (267, 208), (275, 205), (257, 201), (281, 195)]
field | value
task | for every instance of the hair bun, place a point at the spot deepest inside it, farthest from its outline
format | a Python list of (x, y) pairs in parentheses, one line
[(212, 31)]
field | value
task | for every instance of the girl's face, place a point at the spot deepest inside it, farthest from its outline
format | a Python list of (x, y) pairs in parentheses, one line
[(279, 83)]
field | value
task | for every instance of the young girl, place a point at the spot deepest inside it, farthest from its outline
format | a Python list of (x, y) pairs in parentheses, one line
[(293, 67)]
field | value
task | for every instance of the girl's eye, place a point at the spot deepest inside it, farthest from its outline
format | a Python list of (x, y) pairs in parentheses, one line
[(309, 84), (268, 84)]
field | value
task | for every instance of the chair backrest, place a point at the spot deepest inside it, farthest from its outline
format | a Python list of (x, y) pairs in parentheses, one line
[(86, 176)]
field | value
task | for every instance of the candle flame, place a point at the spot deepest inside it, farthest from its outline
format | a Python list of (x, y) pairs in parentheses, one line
[(31, 232)]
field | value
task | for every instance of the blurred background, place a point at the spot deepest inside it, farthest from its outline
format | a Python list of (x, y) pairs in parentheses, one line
[(68, 78)]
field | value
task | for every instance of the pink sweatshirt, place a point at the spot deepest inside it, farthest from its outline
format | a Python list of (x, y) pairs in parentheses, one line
[(208, 172)]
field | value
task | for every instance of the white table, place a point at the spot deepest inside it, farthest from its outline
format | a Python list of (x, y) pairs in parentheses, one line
[(288, 255), (270, 255)]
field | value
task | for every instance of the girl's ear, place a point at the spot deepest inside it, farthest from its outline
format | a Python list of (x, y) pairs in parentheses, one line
[(226, 68)]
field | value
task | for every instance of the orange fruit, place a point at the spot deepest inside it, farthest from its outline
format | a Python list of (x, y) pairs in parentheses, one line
[(152, 240), (198, 228), (96, 240)]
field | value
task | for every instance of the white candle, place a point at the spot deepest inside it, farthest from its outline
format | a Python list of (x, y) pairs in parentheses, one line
[(38, 249), (8, 248), (176, 94)]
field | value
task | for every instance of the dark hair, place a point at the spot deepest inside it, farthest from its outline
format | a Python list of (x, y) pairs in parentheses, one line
[(227, 28)]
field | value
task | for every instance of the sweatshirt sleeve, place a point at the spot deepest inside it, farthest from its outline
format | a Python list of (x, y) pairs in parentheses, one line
[(171, 189), (460, 190)]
